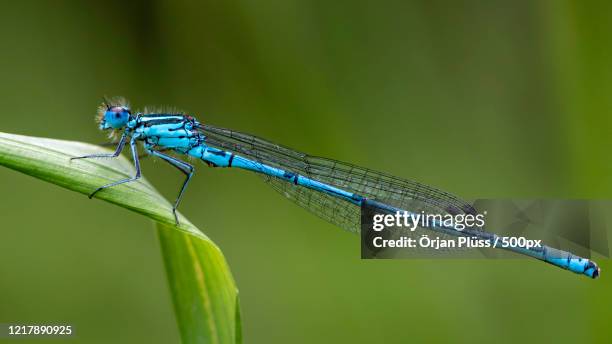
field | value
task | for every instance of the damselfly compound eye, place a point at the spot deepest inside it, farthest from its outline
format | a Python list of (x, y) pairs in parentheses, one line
[(115, 117), (113, 114)]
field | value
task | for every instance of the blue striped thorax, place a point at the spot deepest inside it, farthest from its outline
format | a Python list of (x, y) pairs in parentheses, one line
[(176, 132)]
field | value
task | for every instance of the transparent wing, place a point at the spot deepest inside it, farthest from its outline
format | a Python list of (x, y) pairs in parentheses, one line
[(401, 193)]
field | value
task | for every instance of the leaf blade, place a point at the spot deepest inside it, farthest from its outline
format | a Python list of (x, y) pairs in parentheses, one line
[(190, 257), (191, 313)]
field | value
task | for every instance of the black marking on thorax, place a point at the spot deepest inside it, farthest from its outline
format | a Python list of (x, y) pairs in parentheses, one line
[(157, 119)]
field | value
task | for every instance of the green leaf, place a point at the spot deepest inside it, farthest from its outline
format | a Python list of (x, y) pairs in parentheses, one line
[(196, 267), (203, 290)]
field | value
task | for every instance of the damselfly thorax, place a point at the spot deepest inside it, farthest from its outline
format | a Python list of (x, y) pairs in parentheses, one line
[(169, 132)]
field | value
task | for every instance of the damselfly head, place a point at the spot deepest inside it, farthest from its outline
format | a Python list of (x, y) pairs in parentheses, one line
[(114, 114)]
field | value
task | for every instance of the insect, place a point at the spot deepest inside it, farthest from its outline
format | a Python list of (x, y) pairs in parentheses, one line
[(333, 190)]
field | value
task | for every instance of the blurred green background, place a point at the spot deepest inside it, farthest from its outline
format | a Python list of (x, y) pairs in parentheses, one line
[(481, 99)]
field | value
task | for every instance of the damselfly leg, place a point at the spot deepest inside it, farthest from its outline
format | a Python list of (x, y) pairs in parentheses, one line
[(128, 180), (112, 144), (182, 166), (118, 151)]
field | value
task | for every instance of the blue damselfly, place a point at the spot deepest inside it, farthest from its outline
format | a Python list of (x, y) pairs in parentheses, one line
[(334, 190)]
